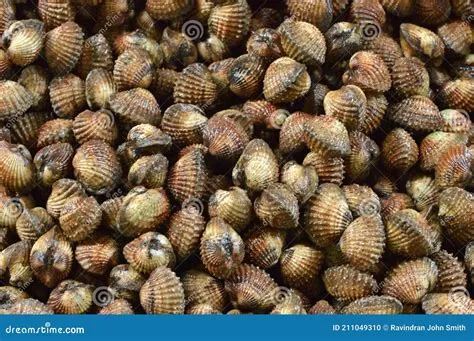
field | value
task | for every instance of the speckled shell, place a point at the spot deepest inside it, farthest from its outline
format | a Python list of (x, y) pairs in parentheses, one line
[(195, 85), (212, 49), (399, 151), (266, 43), (411, 280), (246, 75), (71, 297), (32, 223), (328, 169), (400, 8), (451, 274), (434, 145), (395, 202), (432, 12), (385, 47), (16, 167), (163, 84), (302, 180), (53, 162), (318, 13), (233, 206), (454, 168), (30, 306), (97, 54), (251, 288), (225, 138), (133, 69), (138, 39), (99, 86), (62, 191), (368, 71), (420, 42), (98, 254), (264, 246), (23, 41), (149, 251), (149, 171), (125, 282), (257, 167), (303, 42), (201, 288), (15, 99), (51, 257), (363, 242), (187, 178), (99, 125), (410, 77), (374, 305), (327, 135), (416, 113), (278, 207), (162, 293), (230, 21), (423, 190), (136, 106), (117, 307), (455, 121), (327, 215), (459, 94), (53, 131), (300, 265), (36, 79), (290, 304), (56, 12), (347, 284), (14, 263), (222, 249), (457, 302), (457, 36), (63, 47), (453, 204), (348, 104), (79, 217), (184, 123), (201, 309), (143, 210), (285, 81), (291, 133), (364, 154), (362, 200), (322, 307), (409, 235), (10, 295), (168, 9), (68, 96)]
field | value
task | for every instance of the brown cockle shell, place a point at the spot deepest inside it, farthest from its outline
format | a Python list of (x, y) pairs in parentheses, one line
[(201, 309), (303, 42), (451, 273), (469, 261), (179, 50), (96, 54), (168, 9), (125, 282), (184, 123), (100, 86), (347, 284), (138, 39), (51, 257), (277, 206), (7, 14), (411, 280), (33, 223), (212, 49), (110, 209), (409, 234), (264, 246), (417, 113), (30, 306), (62, 191), (395, 202), (233, 206), (364, 155), (348, 104), (222, 249), (163, 84), (453, 303), (117, 307), (423, 190), (290, 304), (71, 297), (251, 288), (322, 307), (318, 13), (6, 66), (459, 94), (56, 12), (420, 42), (327, 135), (55, 131), (185, 228), (374, 305), (291, 133), (142, 210), (136, 106), (328, 169), (149, 251), (230, 21), (343, 40), (385, 47), (327, 215), (23, 41), (434, 145), (202, 288), (432, 12), (410, 77), (14, 263), (246, 75), (300, 265), (53, 162), (453, 204), (97, 167), (195, 85), (133, 69), (98, 254), (36, 79), (301, 179), (454, 168), (16, 167), (162, 293), (362, 200), (285, 81), (368, 71), (99, 125), (11, 295), (457, 36), (15, 99), (265, 42), (68, 96), (149, 171), (399, 151), (187, 178), (455, 121), (63, 47), (80, 217)]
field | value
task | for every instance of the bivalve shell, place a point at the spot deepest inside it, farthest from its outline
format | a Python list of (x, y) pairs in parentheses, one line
[(68, 95), (100, 86), (80, 217), (318, 13), (230, 21), (99, 125), (417, 113), (347, 284), (71, 297), (195, 85), (264, 246), (133, 69), (233, 206), (300, 265), (98, 254), (277, 206), (374, 305), (201, 288), (399, 151), (368, 71), (327, 135), (23, 41), (15, 99)]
